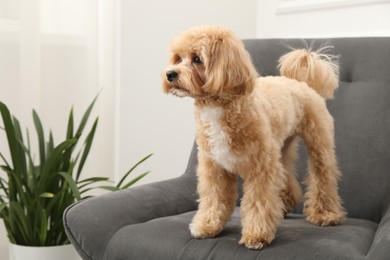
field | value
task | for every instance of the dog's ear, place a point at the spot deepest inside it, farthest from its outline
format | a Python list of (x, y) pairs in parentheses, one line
[(229, 70)]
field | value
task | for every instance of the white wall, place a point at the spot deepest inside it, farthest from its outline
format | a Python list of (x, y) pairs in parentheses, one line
[(322, 18), (150, 121)]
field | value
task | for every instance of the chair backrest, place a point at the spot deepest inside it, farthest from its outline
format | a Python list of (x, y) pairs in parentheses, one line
[(361, 110)]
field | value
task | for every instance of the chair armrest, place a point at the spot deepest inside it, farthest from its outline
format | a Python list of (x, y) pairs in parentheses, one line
[(380, 248), (91, 223)]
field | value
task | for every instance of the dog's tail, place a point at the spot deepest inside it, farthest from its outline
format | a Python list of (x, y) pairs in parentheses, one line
[(320, 71)]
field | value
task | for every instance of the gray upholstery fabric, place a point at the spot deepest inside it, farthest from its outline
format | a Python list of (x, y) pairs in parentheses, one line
[(151, 221), (295, 238)]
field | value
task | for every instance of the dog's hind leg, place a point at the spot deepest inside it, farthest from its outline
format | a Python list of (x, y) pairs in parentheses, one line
[(322, 202), (217, 199), (292, 194)]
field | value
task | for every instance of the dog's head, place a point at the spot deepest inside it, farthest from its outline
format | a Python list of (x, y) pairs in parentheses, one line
[(208, 62)]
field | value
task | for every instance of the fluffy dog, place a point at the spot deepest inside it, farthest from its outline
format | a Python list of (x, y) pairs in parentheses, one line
[(248, 126)]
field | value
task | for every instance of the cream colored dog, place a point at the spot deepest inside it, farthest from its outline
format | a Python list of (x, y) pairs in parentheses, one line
[(248, 126)]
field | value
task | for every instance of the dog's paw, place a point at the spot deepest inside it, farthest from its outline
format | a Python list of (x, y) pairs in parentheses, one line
[(202, 231), (256, 242), (323, 219)]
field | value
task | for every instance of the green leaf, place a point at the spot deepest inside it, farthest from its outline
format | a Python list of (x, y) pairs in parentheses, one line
[(27, 152), (69, 132), (41, 138), (15, 186), (19, 219), (72, 184), (110, 188), (87, 148), (29, 170), (93, 179), (43, 231), (2, 206), (53, 203), (4, 160), (19, 138), (132, 168), (85, 190), (46, 195), (85, 117), (50, 144), (12, 141), (127, 185), (10, 235), (53, 161), (18, 131), (3, 186)]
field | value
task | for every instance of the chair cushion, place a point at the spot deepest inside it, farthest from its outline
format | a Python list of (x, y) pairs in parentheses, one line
[(169, 238)]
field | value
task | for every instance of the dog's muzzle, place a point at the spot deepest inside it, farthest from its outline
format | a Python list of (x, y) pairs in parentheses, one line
[(171, 75)]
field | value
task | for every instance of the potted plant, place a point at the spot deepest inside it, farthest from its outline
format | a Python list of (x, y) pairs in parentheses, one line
[(35, 193)]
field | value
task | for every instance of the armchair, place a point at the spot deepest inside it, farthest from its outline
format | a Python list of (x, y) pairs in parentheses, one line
[(151, 221)]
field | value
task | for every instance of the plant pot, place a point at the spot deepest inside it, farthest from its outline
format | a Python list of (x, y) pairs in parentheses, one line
[(66, 252)]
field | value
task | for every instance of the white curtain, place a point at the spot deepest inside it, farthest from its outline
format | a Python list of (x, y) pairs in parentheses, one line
[(55, 54)]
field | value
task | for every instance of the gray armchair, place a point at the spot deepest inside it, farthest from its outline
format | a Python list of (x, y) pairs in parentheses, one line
[(151, 221)]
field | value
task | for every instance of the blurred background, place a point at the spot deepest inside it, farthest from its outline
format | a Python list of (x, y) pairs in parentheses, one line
[(55, 54)]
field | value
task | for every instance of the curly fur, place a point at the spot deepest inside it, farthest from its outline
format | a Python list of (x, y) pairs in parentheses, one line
[(248, 126)]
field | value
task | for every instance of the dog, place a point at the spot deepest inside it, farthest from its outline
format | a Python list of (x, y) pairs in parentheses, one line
[(249, 126)]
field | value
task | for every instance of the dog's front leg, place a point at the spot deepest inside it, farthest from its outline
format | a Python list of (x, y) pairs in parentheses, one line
[(261, 205), (217, 199)]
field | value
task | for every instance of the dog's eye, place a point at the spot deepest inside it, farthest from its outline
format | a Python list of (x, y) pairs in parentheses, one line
[(196, 60)]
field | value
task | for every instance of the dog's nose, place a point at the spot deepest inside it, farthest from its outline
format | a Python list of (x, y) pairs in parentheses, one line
[(171, 75)]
